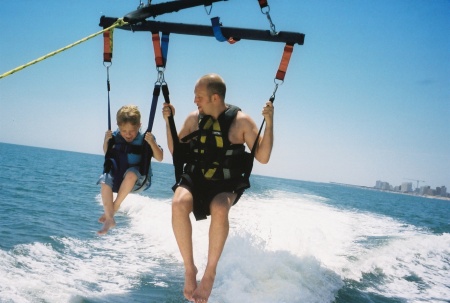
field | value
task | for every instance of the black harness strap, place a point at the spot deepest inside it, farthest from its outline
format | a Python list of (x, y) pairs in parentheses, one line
[(180, 149)]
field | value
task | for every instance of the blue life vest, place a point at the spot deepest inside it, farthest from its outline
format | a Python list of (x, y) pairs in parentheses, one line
[(122, 155)]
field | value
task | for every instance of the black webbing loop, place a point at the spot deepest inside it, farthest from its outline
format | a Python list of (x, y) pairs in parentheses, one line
[(151, 118), (165, 90), (177, 155), (108, 87)]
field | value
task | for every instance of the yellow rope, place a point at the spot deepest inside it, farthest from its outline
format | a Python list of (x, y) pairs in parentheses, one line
[(119, 22)]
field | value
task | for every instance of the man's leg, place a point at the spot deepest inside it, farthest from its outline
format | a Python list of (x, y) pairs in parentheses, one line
[(182, 206), (218, 233)]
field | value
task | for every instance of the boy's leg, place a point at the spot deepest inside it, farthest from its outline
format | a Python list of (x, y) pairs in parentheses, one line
[(112, 207), (108, 205), (125, 188), (182, 206)]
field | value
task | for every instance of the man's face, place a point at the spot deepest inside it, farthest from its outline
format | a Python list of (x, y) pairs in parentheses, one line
[(202, 99)]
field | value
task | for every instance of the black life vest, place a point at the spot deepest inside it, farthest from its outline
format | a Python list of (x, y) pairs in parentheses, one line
[(211, 152), (116, 159)]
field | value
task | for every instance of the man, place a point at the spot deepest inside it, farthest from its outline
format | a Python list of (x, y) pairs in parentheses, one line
[(212, 180)]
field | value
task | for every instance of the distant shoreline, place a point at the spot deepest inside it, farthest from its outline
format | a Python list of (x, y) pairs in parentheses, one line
[(391, 191)]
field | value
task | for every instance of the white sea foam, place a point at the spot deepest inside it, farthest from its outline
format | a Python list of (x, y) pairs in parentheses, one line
[(346, 245), (286, 248), (70, 268)]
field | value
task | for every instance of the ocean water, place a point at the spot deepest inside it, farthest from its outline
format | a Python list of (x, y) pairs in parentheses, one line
[(290, 241)]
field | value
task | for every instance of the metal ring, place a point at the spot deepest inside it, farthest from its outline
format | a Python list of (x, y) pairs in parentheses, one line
[(267, 11)]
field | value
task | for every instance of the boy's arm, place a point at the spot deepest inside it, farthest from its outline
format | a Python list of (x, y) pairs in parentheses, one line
[(156, 149), (108, 136)]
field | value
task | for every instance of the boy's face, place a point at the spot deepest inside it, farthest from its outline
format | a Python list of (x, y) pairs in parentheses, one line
[(129, 131)]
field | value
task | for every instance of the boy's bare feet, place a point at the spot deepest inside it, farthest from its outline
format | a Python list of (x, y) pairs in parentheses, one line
[(107, 225), (190, 283), (102, 219), (203, 291)]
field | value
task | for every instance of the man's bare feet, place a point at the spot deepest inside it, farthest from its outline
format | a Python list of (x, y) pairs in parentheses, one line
[(203, 291), (190, 283), (107, 225)]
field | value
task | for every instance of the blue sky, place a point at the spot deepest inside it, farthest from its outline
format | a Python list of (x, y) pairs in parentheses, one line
[(366, 98)]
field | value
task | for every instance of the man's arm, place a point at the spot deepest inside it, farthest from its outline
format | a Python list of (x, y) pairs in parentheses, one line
[(189, 125), (265, 141)]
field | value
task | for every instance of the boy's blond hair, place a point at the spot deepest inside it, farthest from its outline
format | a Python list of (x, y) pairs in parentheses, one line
[(128, 114)]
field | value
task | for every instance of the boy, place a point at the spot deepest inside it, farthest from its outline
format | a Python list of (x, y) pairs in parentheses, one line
[(127, 149)]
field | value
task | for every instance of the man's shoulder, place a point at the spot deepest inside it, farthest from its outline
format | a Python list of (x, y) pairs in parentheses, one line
[(190, 124), (243, 117), (192, 115), (243, 123)]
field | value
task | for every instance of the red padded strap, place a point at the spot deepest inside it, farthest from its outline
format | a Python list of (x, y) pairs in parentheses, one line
[(281, 73)]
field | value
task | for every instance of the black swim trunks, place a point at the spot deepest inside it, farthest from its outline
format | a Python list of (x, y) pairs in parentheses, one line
[(204, 191)]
